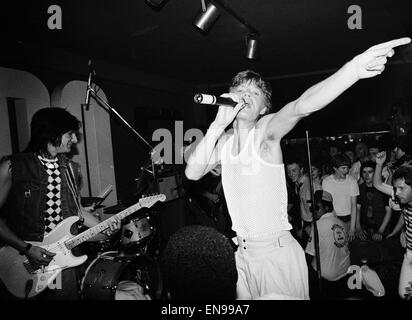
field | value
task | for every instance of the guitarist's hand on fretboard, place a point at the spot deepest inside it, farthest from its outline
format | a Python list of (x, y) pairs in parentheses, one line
[(114, 227), (39, 257)]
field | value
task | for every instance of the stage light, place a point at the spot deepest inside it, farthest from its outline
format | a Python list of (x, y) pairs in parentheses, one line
[(206, 18), (251, 47)]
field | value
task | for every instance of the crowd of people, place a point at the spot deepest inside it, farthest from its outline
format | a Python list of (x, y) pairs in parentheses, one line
[(360, 212)]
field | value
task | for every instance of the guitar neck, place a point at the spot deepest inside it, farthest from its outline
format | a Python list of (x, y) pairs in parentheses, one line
[(90, 233)]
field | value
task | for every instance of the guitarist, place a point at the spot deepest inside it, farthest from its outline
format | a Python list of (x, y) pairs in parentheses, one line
[(38, 189)]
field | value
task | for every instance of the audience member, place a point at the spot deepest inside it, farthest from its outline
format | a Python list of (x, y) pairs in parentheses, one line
[(294, 170), (373, 150), (344, 190), (333, 249), (199, 263), (348, 150), (361, 155), (402, 191), (403, 152), (333, 149), (389, 191), (306, 198), (374, 212)]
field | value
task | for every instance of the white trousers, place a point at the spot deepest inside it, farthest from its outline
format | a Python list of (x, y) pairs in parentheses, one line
[(271, 267)]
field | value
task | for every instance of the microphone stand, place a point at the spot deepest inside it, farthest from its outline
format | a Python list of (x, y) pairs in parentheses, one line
[(91, 91), (315, 227), (85, 106)]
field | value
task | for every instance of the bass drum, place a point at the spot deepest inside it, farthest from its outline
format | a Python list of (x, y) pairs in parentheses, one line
[(115, 276)]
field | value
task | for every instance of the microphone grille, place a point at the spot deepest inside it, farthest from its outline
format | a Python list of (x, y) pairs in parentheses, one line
[(198, 98)]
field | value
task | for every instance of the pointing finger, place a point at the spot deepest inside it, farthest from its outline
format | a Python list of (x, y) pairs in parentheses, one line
[(392, 44)]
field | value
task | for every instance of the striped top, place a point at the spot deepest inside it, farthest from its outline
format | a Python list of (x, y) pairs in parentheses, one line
[(407, 218), (255, 192)]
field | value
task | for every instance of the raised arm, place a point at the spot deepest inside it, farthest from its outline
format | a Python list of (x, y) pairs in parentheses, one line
[(377, 177), (366, 65), (206, 154)]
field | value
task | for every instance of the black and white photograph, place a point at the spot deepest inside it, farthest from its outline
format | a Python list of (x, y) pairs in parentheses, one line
[(205, 156)]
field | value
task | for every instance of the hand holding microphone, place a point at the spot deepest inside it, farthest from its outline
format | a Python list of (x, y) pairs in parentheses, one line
[(213, 100), (224, 115)]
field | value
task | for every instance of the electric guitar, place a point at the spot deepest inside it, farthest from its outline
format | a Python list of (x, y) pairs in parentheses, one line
[(24, 281)]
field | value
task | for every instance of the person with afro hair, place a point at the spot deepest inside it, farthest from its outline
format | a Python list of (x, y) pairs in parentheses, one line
[(198, 263)]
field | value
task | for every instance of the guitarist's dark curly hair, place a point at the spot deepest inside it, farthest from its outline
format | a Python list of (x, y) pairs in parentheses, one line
[(198, 263), (48, 125)]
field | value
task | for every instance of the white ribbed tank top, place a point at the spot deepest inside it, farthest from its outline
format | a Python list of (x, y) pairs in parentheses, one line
[(255, 191)]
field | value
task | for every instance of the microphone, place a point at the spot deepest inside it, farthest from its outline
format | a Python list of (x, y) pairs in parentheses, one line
[(89, 83), (213, 100)]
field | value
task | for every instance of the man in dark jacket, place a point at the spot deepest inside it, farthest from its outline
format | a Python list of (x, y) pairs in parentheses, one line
[(38, 189)]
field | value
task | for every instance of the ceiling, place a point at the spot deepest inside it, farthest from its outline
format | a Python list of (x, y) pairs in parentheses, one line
[(296, 36)]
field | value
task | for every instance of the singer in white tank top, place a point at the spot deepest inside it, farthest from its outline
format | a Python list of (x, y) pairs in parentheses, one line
[(269, 260), (255, 191)]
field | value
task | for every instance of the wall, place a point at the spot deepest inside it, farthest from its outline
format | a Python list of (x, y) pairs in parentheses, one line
[(142, 99)]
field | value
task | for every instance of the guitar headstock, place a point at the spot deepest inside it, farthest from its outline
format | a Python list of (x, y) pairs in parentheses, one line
[(149, 201)]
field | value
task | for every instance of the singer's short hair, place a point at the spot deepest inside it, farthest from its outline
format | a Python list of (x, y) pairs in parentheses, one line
[(254, 77), (199, 263), (48, 125)]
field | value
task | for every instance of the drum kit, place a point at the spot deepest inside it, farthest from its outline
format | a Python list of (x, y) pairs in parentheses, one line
[(114, 275), (123, 267)]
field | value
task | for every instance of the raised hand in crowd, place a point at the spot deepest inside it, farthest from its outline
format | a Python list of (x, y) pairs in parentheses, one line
[(381, 157)]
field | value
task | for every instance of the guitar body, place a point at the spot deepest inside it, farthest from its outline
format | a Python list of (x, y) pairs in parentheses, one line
[(23, 282), (17, 274)]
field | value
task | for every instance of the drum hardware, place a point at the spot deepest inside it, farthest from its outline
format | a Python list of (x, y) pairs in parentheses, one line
[(91, 201), (137, 230)]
